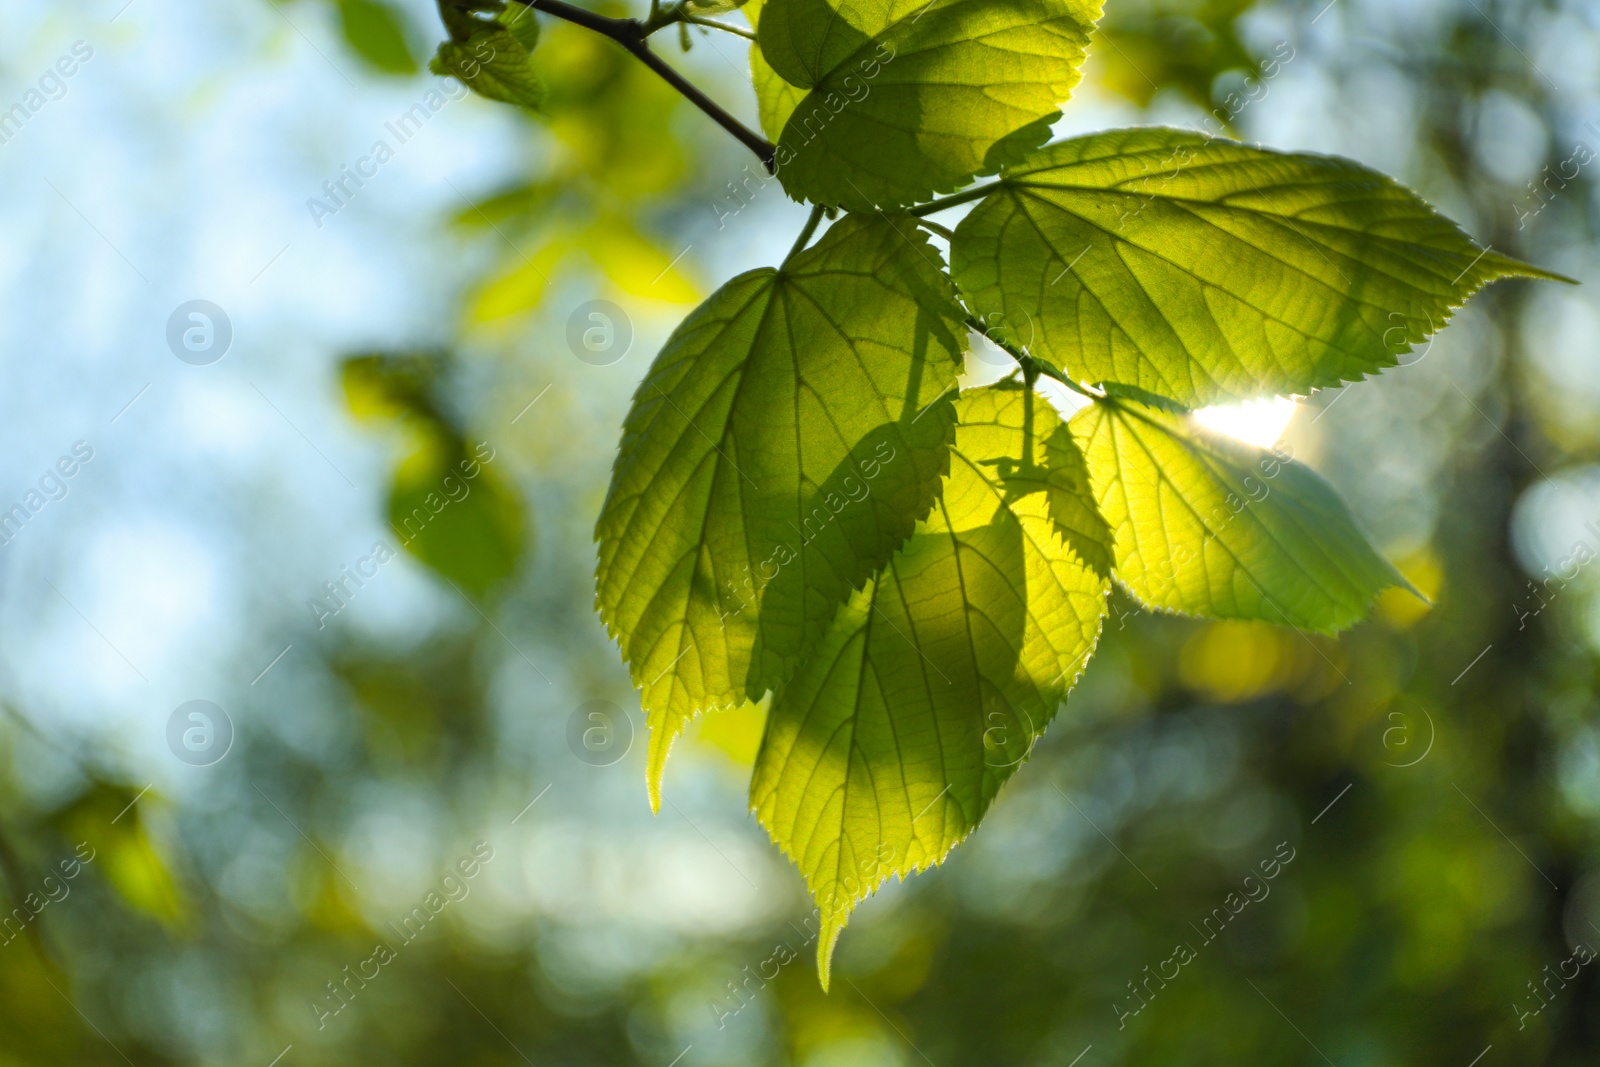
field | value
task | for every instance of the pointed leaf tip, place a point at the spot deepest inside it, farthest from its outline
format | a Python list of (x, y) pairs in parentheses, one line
[(826, 942), (1507, 267), (890, 742), (1208, 271)]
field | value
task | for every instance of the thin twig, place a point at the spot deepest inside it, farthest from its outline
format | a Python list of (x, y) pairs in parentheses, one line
[(725, 27), (630, 34), (1025, 361), (662, 17)]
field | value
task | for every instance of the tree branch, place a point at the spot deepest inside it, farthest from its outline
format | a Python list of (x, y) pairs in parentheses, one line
[(630, 34)]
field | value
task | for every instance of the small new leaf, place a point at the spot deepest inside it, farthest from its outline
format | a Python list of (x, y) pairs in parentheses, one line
[(927, 693), (1204, 525), (781, 447), (1206, 270), (493, 63)]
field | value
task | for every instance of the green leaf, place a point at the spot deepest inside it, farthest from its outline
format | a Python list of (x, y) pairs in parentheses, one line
[(1073, 507), (912, 97), (891, 741), (494, 64), (775, 98), (1207, 270), (1208, 526), (520, 20), (375, 32), (782, 445)]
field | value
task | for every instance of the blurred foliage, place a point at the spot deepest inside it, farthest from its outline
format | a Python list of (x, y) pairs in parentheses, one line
[(614, 161), (1182, 45), (448, 505), (1436, 772), (376, 33)]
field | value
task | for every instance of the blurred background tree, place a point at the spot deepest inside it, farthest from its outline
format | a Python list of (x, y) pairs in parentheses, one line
[(1433, 776)]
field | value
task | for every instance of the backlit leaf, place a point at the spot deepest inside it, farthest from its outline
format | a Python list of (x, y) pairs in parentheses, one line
[(775, 98), (1207, 270), (782, 445), (1205, 525), (912, 97), (889, 744)]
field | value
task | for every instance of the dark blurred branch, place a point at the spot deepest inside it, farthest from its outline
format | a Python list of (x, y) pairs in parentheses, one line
[(631, 34)]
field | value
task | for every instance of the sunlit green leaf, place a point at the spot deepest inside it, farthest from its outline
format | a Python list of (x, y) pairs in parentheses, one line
[(1207, 270), (891, 741), (775, 98), (1073, 507), (780, 448), (912, 97), (1207, 526), (520, 20)]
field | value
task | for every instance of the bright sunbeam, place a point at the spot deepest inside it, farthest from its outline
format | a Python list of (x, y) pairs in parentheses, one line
[(1255, 422)]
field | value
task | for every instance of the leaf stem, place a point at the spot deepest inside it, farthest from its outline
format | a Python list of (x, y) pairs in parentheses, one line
[(1027, 362), (661, 18), (933, 227), (805, 234), (631, 34), (1030, 374), (977, 192)]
